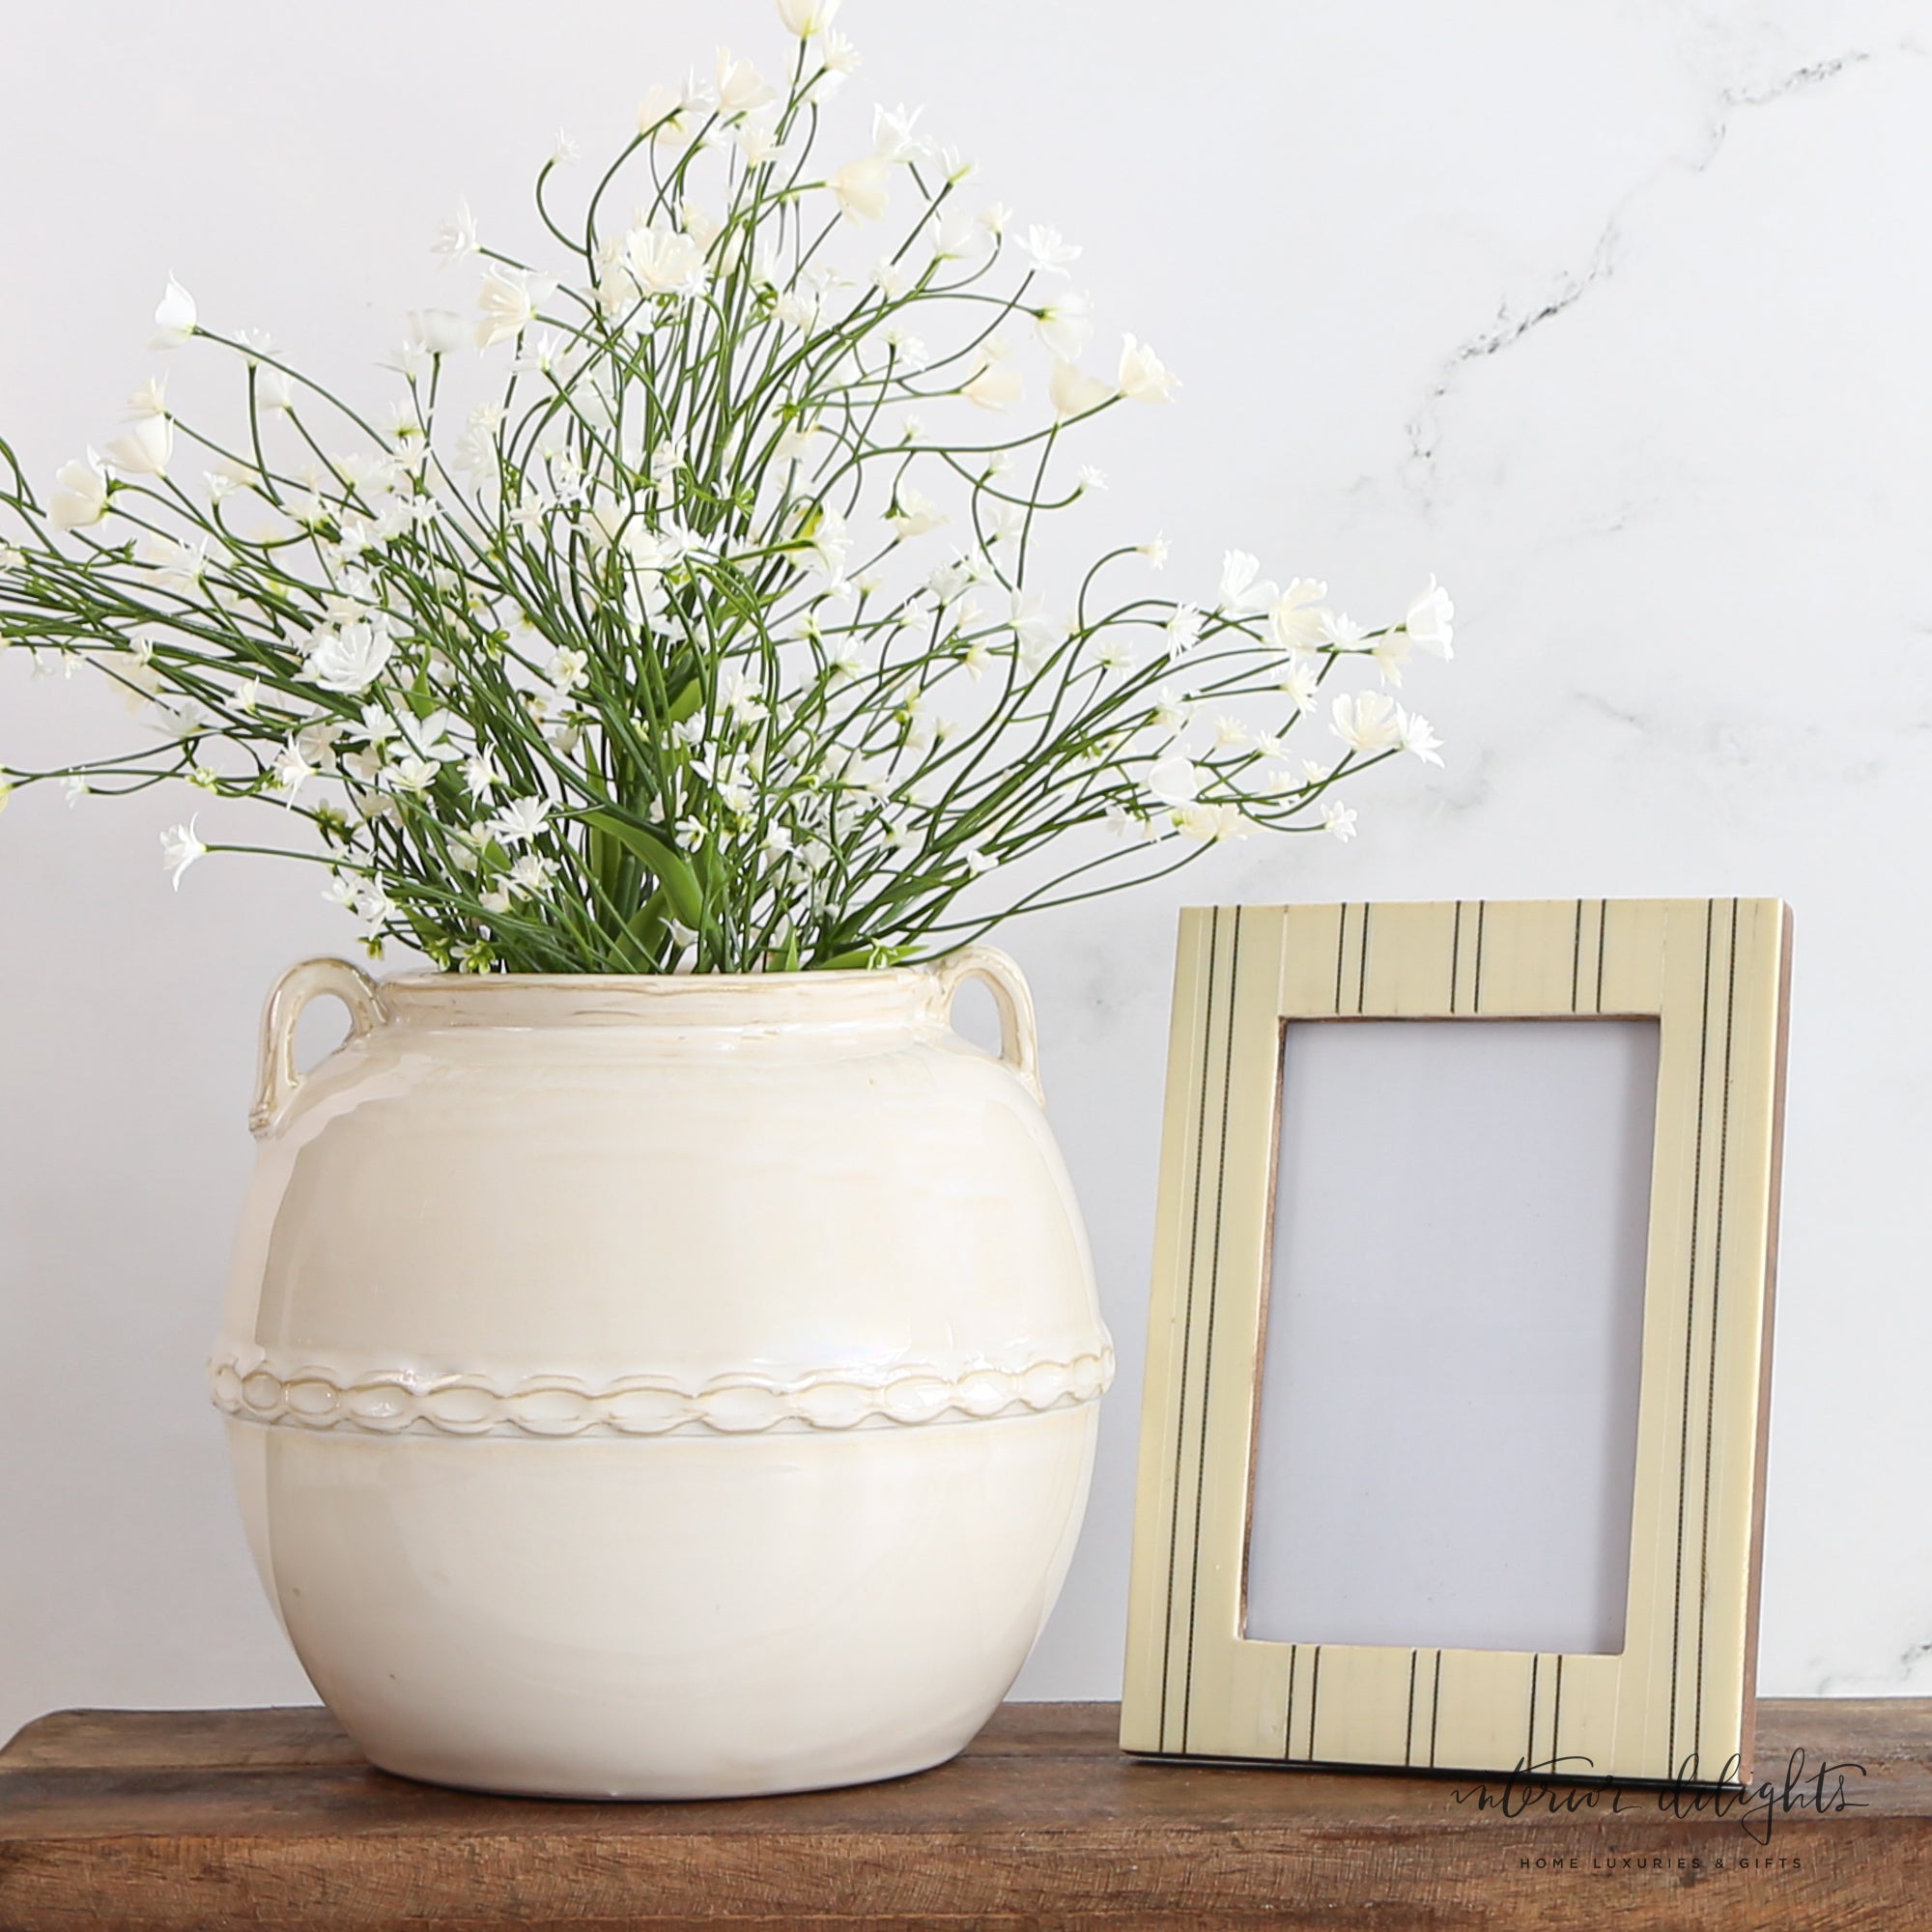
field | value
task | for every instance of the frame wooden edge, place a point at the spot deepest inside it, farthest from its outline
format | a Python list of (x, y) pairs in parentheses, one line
[(1761, 1460)]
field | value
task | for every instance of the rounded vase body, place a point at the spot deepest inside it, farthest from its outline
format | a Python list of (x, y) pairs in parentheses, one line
[(660, 1388)]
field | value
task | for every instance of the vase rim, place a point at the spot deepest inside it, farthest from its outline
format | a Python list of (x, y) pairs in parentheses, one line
[(896, 996), (666, 982)]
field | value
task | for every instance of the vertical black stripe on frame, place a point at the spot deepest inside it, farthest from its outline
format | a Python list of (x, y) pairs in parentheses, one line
[(1476, 990), (1577, 958), (1690, 1340), (1187, 1313), (1288, 1718), (1208, 1346), (1314, 1699), (1530, 1746), (1455, 954), (1408, 1726), (1716, 1288), (1556, 1716), (1435, 1708), (1602, 946), (1362, 972)]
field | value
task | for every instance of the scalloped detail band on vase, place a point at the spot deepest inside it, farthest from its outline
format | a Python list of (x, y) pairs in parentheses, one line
[(391, 1402)]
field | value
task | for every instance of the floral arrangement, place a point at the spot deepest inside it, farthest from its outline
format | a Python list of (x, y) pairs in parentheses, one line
[(682, 614)]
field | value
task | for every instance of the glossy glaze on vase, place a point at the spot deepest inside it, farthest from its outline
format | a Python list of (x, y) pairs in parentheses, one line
[(665, 1387)]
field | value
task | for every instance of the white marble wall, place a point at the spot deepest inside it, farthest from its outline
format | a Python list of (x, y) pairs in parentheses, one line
[(1612, 313)]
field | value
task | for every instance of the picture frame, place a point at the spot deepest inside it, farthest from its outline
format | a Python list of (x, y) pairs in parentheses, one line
[(1671, 1698)]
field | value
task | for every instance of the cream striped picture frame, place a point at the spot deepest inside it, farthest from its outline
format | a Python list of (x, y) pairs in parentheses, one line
[(1677, 1701)]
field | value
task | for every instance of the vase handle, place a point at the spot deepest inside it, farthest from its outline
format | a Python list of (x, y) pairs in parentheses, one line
[(277, 1081), (1019, 1035)]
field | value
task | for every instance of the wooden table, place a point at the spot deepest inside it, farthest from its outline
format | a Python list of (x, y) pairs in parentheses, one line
[(216, 1819)]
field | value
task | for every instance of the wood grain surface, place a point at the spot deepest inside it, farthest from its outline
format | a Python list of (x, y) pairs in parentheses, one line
[(217, 1819)]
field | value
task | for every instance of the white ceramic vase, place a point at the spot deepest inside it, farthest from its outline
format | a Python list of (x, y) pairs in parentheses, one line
[(660, 1387)]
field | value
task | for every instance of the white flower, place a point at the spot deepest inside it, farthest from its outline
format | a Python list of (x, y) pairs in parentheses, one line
[(532, 874), (1074, 393), (436, 331), (147, 449), (1244, 592), (509, 299), (828, 538), (151, 399), (1086, 478), (1391, 651), (482, 775), (1428, 621), (994, 216), (1183, 629), (1296, 619), (428, 737), (894, 136), (1037, 632), (374, 905), (73, 789), (992, 384), (909, 353), (741, 697), (352, 658), (741, 87), (410, 773), (664, 261), (1154, 550), (808, 17), (456, 236), (519, 821), (1174, 779), (1046, 249), (977, 861), (1368, 722), (291, 771), (1144, 377), (913, 516), (838, 57), (1419, 738), (757, 138), (1213, 822), (181, 848), (666, 115), (1116, 652), (316, 744), (81, 497), (1230, 735), (861, 188), (565, 151), (340, 891), (274, 389), (537, 355), (183, 568), (1301, 680), (1171, 711), (1338, 819), (175, 319), (1065, 322)]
